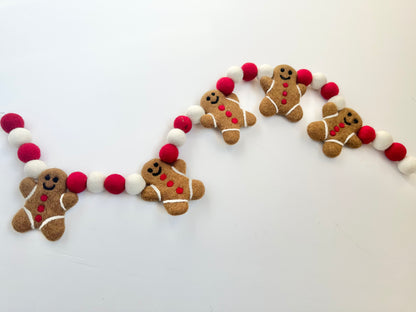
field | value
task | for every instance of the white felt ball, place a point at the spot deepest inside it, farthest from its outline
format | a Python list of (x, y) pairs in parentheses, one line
[(34, 168), (19, 136), (195, 112), (95, 182), (318, 81), (176, 137), (407, 166), (382, 141), (135, 184), (339, 101), (265, 70), (235, 73)]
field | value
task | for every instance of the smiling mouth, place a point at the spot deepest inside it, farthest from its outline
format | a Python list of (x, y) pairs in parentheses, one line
[(345, 120), (157, 173), (216, 101), (284, 78), (48, 188)]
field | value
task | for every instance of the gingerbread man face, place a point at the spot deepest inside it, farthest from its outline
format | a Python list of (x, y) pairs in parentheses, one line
[(284, 73), (211, 100), (154, 170), (351, 119), (52, 180)]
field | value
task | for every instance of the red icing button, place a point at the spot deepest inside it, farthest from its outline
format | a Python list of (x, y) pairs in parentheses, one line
[(179, 190), (342, 125), (285, 85), (41, 208), (234, 120), (170, 183), (163, 177), (332, 132), (284, 101), (38, 218), (284, 93), (228, 114), (336, 128), (221, 107), (44, 197)]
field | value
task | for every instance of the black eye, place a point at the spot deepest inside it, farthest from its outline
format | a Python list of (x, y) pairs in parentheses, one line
[(55, 179), (212, 93), (290, 72), (155, 164), (47, 177), (355, 120), (349, 114), (208, 98), (282, 70), (150, 170)]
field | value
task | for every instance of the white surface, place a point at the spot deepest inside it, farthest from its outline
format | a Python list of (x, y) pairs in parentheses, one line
[(281, 227)]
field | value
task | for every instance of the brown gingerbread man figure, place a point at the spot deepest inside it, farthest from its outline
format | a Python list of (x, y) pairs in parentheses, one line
[(168, 184), (336, 129), (282, 94), (47, 200), (224, 112)]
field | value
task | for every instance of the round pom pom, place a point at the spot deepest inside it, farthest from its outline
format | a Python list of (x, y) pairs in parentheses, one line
[(28, 152), (235, 73), (265, 70), (367, 134), (95, 182), (184, 123), (382, 141), (114, 184), (19, 136), (11, 121), (76, 182), (34, 168), (407, 166), (169, 153), (195, 112), (329, 90), (176, 137), (135, 184), (339, 101), (318, 81), (225, 85), (304, 77), (250, 71), (396, 152)]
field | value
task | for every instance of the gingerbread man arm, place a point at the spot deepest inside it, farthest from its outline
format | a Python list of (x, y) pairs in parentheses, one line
[(69, 200), (250, 118), (354, 142), (180, 165), (302, 88), (26, 186), (149, 194), (266, 82), (329, 109), (234, 97), (208, 121)]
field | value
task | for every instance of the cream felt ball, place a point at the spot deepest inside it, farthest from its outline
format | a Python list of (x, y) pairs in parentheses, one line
[(135, 184), (318, 81), (407, 166), (176, 137), (19, 136), (195, 112), (34, 168), (339, 101), (95, 182), (383, 140), (265, 70), (235, 73)]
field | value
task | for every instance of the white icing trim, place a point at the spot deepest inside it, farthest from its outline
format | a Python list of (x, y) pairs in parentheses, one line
[(61, 202), (175, 201), (300, 92), (213, 118), (31, 192), (30, 217), (326, 129), (290, 110), (49, 220), (245, 118), (271, 87), (191, 191), (177, 171), (225, 130), (330, 116), (275, 106), (157, 191), (349, 137), (335, 141), (232, 100)]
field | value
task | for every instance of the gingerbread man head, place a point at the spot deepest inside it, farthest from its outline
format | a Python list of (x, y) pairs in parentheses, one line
[(351, 119), (153, 170), (211, 99), (52, 181), (284, 73)]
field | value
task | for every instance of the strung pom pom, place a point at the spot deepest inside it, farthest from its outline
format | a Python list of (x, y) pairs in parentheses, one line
[(114, 184), (195, 112), (28, 152), (225, 85), (235, 73), (19, 136), (265, 70), (34, 168), (169, 153), (304, 77), (318, 81), (11, 121), (329, 90), (76, 182), (396, 152), (184, 123), (95, 182), (407, 166), (382, 141), (367, 134), (135, 184), (250, 71), (339, 101), (176, 137)]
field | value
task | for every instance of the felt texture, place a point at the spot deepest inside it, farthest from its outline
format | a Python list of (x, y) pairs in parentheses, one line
[(336, 129), (250, 71), (265, 70), (225, 113), (383, 140), (169, 184), (34, 168), (19, 136), (304, 77), (396, 152), (235, 73), (11, 121), (282, 94), (339, 101), (318, 81), (407, 166), (43, 201), (367, 134), (115, 184), (184, 123), (195, 112), (176, 137), (135, 184), (225, 85), (329, 90), (76, 182), (28, 152), (95, 182), (169, 153)]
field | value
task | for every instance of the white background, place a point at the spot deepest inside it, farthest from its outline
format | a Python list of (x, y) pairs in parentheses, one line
[(281, 227)]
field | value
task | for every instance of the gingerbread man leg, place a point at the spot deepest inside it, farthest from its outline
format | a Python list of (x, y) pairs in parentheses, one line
[(198, 189), (316, 130), (21, 222), (268, 107), (231, 136), (250, 119), (54, 229), (331, 149), (176, 208), (295, 114)]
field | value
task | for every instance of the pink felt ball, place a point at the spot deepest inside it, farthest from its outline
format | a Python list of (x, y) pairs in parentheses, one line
[(12, 121), (115, 184), (184, 123), (304, 77), (76, 182), (249, 71), (329, 90), (28, 152), (396, 152), (225, 85), (169, 153), (367, 134)]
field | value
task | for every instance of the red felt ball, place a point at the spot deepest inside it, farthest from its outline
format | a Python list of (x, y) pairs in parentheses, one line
[(304, 77), (11, 121), (184, 123), (115, 184), (250, 71), (225, 85), (396, 152), (28, 152), (367, 134), (169, 153), (329, 90), (76, 182)]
